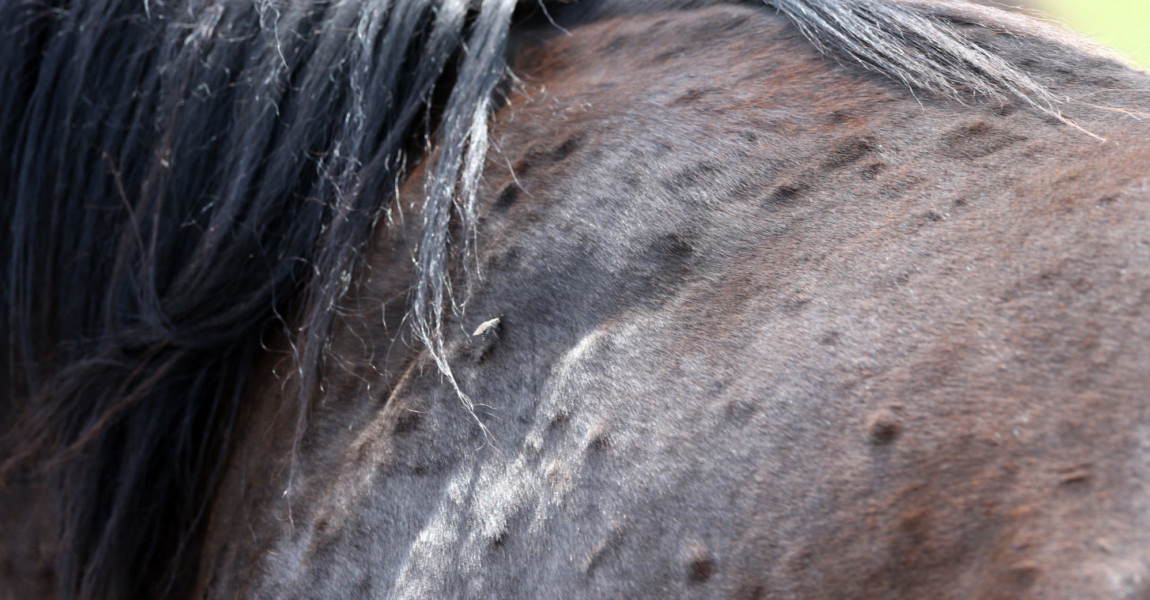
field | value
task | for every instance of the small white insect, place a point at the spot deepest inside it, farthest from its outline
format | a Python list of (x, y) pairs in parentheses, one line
[(486, 326)]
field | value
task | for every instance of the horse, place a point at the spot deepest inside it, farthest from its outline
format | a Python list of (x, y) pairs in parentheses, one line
[(570, 299)]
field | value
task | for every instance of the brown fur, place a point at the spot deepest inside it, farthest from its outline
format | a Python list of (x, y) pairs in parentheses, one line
[(838, 342)]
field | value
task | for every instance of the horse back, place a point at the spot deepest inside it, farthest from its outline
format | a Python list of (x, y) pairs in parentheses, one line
[(752, 324)]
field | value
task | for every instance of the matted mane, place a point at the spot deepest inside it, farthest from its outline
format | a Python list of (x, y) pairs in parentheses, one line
[(178, 174)]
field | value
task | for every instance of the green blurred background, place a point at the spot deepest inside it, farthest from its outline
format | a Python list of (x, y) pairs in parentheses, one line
[(1122, 24)]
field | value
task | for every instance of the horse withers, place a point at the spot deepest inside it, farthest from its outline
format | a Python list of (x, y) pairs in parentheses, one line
[(718, 314)]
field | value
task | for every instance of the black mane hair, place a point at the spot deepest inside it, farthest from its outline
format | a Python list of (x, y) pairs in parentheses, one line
[(174, 174), (177, 174)]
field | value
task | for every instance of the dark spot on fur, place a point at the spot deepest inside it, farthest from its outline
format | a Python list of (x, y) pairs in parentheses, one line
[(796, 304), (872, 170), (1046, 279), (839, 117), (1005, 110), (700, 564), (883, 428), (902, 279), (786, 194), (558, 421), (537, 153), (913, 535), (692, 96), (748, 592), (740, 410), (979, 128), (932, 216), (1020, 578), (600, 442), (363, 454), (1107, 199), (960, 202), (499, 539), (849, 152), (675, 247), (663, 148), (667, 55), (323, 526), (523, 166), (978, 140), (508, 260), (660, 271), (565, 149), (507, 196), (830, 338), (696, 175), (407, 423)]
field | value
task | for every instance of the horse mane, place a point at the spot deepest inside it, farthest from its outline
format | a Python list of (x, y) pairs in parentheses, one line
[(178, 175), (175, 174)]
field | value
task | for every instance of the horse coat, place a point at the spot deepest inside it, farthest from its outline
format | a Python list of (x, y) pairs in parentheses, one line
[(736, 318)]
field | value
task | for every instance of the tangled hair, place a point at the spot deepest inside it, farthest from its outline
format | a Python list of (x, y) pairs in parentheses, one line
[(177, 174)]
